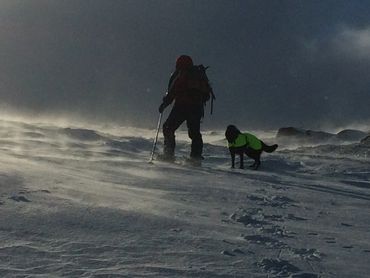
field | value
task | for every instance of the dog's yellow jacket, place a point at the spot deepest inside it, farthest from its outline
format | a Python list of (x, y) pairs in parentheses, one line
[(246, 140)]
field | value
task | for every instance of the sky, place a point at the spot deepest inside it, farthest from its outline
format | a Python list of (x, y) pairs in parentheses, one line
[(272, 63)]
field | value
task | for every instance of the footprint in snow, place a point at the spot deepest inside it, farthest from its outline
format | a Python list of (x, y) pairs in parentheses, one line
[(295, 218), (277, 231), (235, 252), (274, 217), (227, 253), (330, 239), (347, 247), (248, 220), (255, 198), (307, 254), (277, 267), (19, 198), (251, 217), (238, 251), (264, 240), (278, 202), (313, 234), (304, 275)]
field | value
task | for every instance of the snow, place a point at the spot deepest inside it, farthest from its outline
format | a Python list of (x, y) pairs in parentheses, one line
[(84, 202)]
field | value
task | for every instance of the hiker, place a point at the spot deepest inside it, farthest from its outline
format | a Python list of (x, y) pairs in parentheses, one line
[(190, 90), (246, 143)]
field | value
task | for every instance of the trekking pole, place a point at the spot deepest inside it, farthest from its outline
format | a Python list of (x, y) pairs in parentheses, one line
[(156, 138)]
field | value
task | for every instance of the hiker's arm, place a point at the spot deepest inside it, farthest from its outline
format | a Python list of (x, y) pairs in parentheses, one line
[(167, 100), (173, 86), (170, 95)]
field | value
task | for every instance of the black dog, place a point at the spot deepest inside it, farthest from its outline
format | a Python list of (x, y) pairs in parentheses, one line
[(240, 143)]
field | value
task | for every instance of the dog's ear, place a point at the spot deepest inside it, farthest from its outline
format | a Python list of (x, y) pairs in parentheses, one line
[(234, 129), (231, 133), (228, 134)]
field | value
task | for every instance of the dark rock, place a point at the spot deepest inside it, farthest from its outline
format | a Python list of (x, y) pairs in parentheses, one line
[(351, 135), (366, 141), (303, 136), (290, 131)]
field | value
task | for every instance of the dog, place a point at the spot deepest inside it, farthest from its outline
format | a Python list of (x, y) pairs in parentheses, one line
[(246, 143)]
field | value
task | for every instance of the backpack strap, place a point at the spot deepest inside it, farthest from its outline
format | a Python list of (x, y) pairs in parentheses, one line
[(213, 97)]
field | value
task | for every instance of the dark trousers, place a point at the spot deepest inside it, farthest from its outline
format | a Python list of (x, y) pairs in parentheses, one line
[(192, 116)]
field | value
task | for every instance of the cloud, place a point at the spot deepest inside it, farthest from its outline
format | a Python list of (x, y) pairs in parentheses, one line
[(353, 43), (345, 43), (94, 61)]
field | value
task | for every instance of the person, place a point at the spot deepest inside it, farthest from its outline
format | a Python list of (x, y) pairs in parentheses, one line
[(240, 143), (189, 91)]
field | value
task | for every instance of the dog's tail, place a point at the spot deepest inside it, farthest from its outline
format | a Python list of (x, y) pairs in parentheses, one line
[(269, 149)]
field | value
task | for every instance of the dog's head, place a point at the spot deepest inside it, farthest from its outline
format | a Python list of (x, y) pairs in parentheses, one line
[(231, 133)]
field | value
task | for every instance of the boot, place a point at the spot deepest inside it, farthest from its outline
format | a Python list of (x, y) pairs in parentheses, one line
[(166, 157)]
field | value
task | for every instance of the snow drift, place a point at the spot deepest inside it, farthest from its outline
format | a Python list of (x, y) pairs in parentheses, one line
[(80, 202)]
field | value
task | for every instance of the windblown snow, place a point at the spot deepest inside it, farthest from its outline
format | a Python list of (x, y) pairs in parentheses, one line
[(77, 202)]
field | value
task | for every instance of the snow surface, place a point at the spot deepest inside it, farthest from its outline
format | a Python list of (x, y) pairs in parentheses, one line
[(79, 202)]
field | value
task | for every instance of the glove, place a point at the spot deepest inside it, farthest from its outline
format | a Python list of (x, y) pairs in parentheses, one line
[(162, 107)]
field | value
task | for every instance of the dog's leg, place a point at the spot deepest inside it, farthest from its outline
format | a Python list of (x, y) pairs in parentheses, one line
[(232, 153), (257, 162), (257, 165), (241, 160), (256, 155)]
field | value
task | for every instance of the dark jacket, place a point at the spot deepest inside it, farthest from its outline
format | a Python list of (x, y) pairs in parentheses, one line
[(183, 91)]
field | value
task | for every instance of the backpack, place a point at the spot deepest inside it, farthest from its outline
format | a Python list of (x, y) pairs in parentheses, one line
[(198, 83)]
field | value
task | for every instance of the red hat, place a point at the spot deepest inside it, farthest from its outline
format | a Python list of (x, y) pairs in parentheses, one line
[(183, 62)]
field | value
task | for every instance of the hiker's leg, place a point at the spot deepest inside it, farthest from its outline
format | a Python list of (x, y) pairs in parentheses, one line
[(174, 120), (193, 124)]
